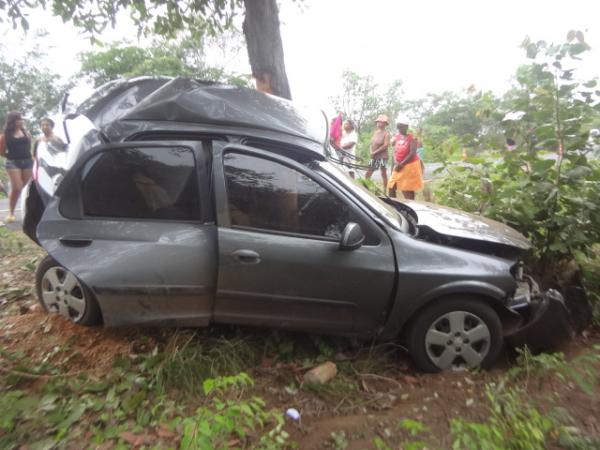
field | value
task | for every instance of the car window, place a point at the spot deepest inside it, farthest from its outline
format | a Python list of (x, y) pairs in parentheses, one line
[(268, 195), (142, 183)]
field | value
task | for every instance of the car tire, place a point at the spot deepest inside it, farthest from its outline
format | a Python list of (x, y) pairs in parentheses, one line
[(455, 333), (59, 291)]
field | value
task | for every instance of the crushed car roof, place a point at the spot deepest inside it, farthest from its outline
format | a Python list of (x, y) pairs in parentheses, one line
[(193, 101)]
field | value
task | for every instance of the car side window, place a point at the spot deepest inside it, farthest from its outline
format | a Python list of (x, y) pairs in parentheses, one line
[(267, 195), (142, 183)]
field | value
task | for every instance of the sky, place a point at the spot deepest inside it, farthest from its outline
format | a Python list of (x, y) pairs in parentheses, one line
[(431, 45)]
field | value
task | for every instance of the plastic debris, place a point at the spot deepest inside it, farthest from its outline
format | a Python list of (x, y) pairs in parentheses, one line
[(293, 414)]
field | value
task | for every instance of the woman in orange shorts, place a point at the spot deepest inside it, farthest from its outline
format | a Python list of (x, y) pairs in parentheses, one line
[(407, 175)]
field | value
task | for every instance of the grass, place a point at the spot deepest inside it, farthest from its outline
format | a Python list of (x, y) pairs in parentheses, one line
[(187, 359)]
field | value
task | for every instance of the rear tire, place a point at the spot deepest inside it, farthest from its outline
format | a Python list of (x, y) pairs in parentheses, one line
[(455, 333), (59, 291)]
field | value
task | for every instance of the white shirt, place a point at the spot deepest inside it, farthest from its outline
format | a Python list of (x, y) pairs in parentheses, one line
[(349, 138)]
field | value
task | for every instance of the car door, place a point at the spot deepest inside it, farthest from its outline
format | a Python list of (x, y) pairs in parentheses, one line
[(134, 222), (280, 263)]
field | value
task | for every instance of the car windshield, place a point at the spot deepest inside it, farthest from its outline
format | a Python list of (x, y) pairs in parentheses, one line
[(389, 214)]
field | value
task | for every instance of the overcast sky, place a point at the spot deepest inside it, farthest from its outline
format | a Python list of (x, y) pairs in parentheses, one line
[(432, 45)]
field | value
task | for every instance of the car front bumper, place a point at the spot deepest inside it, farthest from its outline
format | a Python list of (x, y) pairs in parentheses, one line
[(545, 325)]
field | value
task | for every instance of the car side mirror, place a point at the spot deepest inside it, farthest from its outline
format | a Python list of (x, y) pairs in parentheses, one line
[(352, 237)]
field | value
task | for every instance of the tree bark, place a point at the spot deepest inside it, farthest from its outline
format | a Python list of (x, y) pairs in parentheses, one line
[(265, 50)]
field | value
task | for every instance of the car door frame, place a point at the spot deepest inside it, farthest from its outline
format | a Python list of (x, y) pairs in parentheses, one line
[(378, 313), (161, 304)]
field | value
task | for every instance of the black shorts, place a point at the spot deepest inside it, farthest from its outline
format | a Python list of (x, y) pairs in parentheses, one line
[(21, 164), (375, 164)]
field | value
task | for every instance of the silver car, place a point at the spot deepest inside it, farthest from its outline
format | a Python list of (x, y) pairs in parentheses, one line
[(183, 203)]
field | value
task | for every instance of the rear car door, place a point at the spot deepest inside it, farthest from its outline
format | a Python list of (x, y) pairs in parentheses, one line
[(280, 264), (134, 222)]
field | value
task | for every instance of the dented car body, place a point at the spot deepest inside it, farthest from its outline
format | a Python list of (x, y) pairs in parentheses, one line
[(182, 203)]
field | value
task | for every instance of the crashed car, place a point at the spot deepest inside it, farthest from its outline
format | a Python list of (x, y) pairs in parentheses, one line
[(183, 203)]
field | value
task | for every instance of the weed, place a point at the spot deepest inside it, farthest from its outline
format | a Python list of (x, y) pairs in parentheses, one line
[(125, 405), (380, 444), (338, 440), (512, 424), (415, 429), (580, 370), (31, 265), (574, 440), (10, 243), (228, 422), (185, 361), (370, 185)]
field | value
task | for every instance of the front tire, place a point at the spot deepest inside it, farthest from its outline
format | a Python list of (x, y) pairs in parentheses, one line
[(61, 292), (455, 333)]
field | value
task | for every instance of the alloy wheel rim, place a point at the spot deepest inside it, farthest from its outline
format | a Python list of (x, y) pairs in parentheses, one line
[(63, 294), (458, 340)]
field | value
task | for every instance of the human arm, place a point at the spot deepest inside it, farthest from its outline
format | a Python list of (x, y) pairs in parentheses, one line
[(2, 145)]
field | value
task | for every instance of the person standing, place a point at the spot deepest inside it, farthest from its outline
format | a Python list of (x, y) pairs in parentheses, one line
[(15, 146), (47, 127), (407, 175), (379, 149), (348, 143)]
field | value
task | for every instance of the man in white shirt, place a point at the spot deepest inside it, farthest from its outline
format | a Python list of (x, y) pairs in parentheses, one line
[(348, 142)]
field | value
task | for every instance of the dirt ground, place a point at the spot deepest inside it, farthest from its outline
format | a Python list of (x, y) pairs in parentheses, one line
[(384, 397)]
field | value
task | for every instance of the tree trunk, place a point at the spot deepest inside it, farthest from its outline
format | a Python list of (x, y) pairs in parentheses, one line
[(265, 51)]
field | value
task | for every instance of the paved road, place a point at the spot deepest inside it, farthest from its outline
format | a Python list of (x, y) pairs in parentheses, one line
[(16, 225)]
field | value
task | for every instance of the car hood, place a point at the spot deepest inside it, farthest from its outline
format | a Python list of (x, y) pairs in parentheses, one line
[(453, 222)]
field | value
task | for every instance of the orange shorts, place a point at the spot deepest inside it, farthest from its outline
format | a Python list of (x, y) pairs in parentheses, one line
[(410, 178)]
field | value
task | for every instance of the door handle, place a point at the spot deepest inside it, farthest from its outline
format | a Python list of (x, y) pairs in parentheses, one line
[(246, 256), (75, 241)]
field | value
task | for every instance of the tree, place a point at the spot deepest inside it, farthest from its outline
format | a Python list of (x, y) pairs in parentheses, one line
[(554, 202), (26, 85), (167, 17), (454, 121), (122, 60), (362, 100)]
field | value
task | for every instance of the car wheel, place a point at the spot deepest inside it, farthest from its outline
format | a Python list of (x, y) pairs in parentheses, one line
[(455, 333), (61, 292)]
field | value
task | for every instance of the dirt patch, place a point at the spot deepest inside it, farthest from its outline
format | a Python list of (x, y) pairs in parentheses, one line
[(50, 338)]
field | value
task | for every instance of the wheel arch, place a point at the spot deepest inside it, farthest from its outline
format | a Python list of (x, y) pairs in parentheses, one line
[(477, 293)]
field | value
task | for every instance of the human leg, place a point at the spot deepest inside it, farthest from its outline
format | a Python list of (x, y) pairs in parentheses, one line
[(384, 177), (16, 185), (26, 175), (409, 195)]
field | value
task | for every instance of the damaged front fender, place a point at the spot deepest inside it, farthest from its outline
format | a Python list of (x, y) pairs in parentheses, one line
[(546, 322)]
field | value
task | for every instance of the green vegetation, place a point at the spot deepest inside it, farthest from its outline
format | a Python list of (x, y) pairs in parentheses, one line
[(513, 424), (181, 57), (129, 407), (187, 360), (555, 203), (27, 85)]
